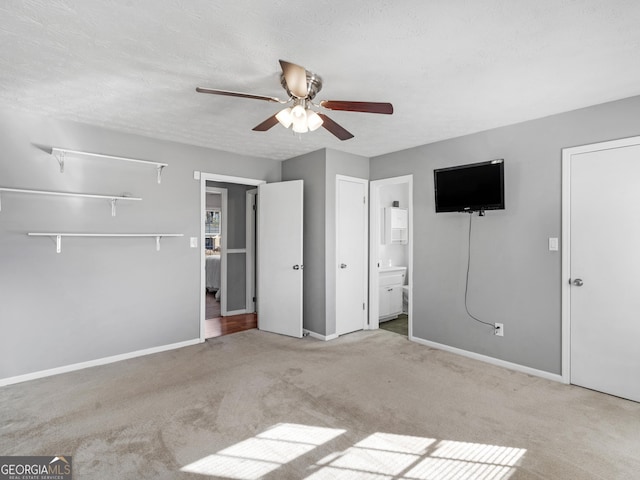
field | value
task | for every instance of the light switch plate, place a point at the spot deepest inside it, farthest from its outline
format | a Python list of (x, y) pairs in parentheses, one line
[(193, 242), (553, 244), (196, 175)]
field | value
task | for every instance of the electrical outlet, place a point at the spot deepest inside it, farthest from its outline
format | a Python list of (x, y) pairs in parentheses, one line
[(498, 329)]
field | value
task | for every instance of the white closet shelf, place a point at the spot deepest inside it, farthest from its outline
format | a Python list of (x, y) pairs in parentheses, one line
[(59, 236), (111, 198), (60, 154)]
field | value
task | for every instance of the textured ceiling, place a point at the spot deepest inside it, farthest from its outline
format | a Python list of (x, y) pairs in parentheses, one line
[(449, 67)]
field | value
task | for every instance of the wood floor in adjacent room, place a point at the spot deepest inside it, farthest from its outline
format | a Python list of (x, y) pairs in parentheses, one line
[(216, 325)]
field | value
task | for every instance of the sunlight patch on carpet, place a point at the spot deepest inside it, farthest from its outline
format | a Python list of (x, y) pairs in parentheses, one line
[(379, 456), (255, 457)]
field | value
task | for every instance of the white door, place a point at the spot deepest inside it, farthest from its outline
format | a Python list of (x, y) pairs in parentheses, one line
[(280, 258), (604, 270), (351, 254)]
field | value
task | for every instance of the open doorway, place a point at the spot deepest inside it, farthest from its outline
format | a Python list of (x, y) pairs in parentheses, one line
[(391, 255), (228, 255), (213, 223)]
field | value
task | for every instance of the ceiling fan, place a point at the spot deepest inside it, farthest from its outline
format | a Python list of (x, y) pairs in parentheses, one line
[(302, 86)]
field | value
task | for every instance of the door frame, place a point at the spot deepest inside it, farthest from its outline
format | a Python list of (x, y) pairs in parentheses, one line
[(374, 231), (204, 178), (567, 154), (365, 249), (250, 243)]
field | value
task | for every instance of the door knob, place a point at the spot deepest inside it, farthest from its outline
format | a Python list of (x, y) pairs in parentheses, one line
[(296, 267), (343, 265), (578, 282)]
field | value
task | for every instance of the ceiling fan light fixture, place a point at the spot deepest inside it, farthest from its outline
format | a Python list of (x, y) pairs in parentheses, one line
[(300, 127), (298, 113), (299, 119), (284, 117), (314, 121), (302, 86)]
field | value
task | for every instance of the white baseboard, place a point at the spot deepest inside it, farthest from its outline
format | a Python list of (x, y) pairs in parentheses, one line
[(95, 363), (494, 361), (324, 338)]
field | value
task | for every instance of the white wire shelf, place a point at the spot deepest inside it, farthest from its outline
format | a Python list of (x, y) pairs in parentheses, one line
[(61, 153), (58, 236), (112, 198)]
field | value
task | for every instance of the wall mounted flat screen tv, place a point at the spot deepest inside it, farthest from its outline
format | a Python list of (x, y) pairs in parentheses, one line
[(470, 188)]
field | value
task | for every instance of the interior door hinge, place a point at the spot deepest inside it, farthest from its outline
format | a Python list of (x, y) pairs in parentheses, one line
[(363, 306), (364, 200)]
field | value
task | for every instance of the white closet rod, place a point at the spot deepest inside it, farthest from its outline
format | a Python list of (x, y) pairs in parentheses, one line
[(60, 153), (59, 236), (111, 198)]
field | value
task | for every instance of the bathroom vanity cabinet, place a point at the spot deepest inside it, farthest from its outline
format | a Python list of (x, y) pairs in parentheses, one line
[(391, 280)]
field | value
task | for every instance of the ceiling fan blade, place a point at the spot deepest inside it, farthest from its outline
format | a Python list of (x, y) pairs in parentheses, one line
[(296, 78), (367, 107), (266, 125), (334, 128), (229, 93)]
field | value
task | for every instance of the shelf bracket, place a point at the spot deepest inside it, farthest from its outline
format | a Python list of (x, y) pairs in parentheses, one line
[(159, 168), (59, 154), (0, 202), (158, 243), (58, 243), (113, 207)]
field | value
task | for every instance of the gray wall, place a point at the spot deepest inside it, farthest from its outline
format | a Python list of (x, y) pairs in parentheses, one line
[(514, 279), (99, 297), (318, 170)]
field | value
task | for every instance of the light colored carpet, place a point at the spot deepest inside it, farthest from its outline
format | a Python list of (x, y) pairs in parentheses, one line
[(367, 405)]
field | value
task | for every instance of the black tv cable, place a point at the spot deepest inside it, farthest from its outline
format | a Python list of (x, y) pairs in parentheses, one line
[(466, 286)]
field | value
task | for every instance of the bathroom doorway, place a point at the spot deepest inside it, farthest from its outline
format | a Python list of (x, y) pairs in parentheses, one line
[(391, 258)]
